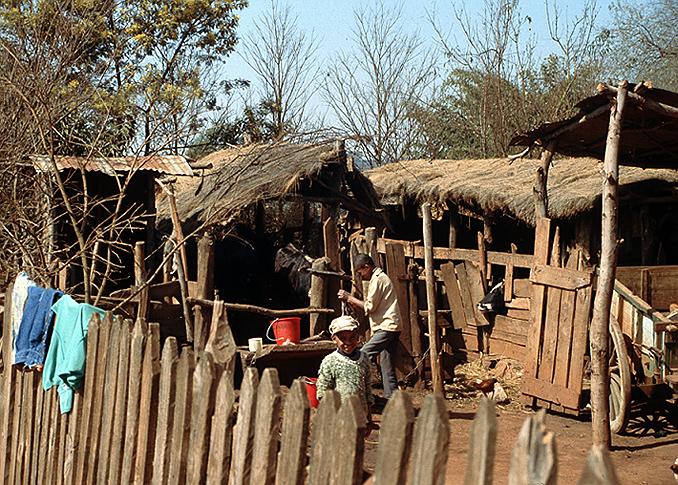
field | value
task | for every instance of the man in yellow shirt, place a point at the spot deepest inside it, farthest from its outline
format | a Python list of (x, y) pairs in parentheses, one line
[(381, 306)]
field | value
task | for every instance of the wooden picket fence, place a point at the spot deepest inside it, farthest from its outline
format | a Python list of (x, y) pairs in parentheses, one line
[(146, 416)]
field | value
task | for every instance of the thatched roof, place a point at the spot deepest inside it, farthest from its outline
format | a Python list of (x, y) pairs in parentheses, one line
[(495, 186), (163, 164), (242, 176), (649, 134)]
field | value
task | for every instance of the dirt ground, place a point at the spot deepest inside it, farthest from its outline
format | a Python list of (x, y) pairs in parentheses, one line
[(641, 457)]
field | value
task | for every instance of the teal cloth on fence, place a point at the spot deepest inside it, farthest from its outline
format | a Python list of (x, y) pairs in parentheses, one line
[(65, 361)]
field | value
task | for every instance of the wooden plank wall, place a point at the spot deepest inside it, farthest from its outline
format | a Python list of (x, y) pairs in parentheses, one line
[(460, 285), (556, 342), (656, 285)]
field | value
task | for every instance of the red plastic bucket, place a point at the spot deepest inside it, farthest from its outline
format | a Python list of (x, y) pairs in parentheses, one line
[(311, 391), (285, 329)]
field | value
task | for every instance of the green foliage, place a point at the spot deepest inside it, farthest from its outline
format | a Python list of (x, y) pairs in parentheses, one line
[(496, 88), (115, 78), (253, 125)]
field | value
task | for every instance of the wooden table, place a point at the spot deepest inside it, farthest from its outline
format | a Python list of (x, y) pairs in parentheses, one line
[(292, 361)]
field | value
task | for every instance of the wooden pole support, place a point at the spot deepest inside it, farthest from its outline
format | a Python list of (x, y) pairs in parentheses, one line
[(318, 296), (140, 280), (600, 410), (206, 268), (541, 199), (433, 338)]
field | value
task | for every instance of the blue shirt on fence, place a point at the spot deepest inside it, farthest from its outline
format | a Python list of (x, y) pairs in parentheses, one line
[(31, 341)]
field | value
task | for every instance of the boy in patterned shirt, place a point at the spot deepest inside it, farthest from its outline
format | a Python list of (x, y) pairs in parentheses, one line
[(347, 369)]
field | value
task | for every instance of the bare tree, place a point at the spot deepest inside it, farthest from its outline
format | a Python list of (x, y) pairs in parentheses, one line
[(284, 60), (497, 84), (373, 88), (646, 42)]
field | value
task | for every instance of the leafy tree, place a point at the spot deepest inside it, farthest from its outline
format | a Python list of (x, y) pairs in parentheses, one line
[(496, 86), (98, 79), (253, 125)]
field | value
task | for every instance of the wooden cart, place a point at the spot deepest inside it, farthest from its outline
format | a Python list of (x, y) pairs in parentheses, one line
[(645, 343)]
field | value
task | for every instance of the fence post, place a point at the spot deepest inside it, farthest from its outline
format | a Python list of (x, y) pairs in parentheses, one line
[(37, 430), (348, 444), (534, 456), (322, 436), (133, 392), (395, 440), (182, 410), (294, 437), (481, 448), (266, 428), (221, 436), (108, 410), (201, 414), (244, 429), (599, 469), (148, 405), (168, 369), (7, 385), (431, 440), (117, 442), (99, 370)]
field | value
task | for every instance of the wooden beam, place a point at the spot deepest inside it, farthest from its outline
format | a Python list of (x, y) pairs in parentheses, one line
[(241, 307), (412, 250), (600, 411), (650, 104), (433, 337), (415, 329), (333, 257), (140, 280), (566, 279), (541, 200), (318, 296), (372, 245), (454, 228)]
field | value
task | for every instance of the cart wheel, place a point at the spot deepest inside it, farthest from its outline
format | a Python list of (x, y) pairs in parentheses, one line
[(620, 380)]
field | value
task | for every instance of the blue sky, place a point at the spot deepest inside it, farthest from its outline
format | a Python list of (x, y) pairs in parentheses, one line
[(332, 23)]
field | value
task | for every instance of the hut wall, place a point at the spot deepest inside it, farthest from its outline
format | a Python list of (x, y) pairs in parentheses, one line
[(103, 187)]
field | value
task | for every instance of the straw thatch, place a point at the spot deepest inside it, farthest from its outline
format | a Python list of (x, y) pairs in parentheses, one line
[(240, 177), (498, 187)]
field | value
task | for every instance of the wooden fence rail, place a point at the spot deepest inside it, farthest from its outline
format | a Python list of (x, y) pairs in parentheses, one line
[(146, 416)]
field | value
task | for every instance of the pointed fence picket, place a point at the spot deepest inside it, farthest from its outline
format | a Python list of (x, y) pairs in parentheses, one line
[(144, 417)]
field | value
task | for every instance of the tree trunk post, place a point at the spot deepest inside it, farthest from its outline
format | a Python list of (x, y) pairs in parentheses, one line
[(541, 198), (454, 227), (140, 279), (600, 388), (371, 241), (206, 267), (434, 343), (318, 297)]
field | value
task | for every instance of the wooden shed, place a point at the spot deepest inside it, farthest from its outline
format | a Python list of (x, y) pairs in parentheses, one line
[(254, 200), (112, 199)]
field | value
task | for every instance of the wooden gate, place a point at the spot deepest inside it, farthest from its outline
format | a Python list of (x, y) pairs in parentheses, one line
[(556, 342)]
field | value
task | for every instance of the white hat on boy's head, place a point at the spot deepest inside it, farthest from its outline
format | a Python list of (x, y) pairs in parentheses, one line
[(344, 322)]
